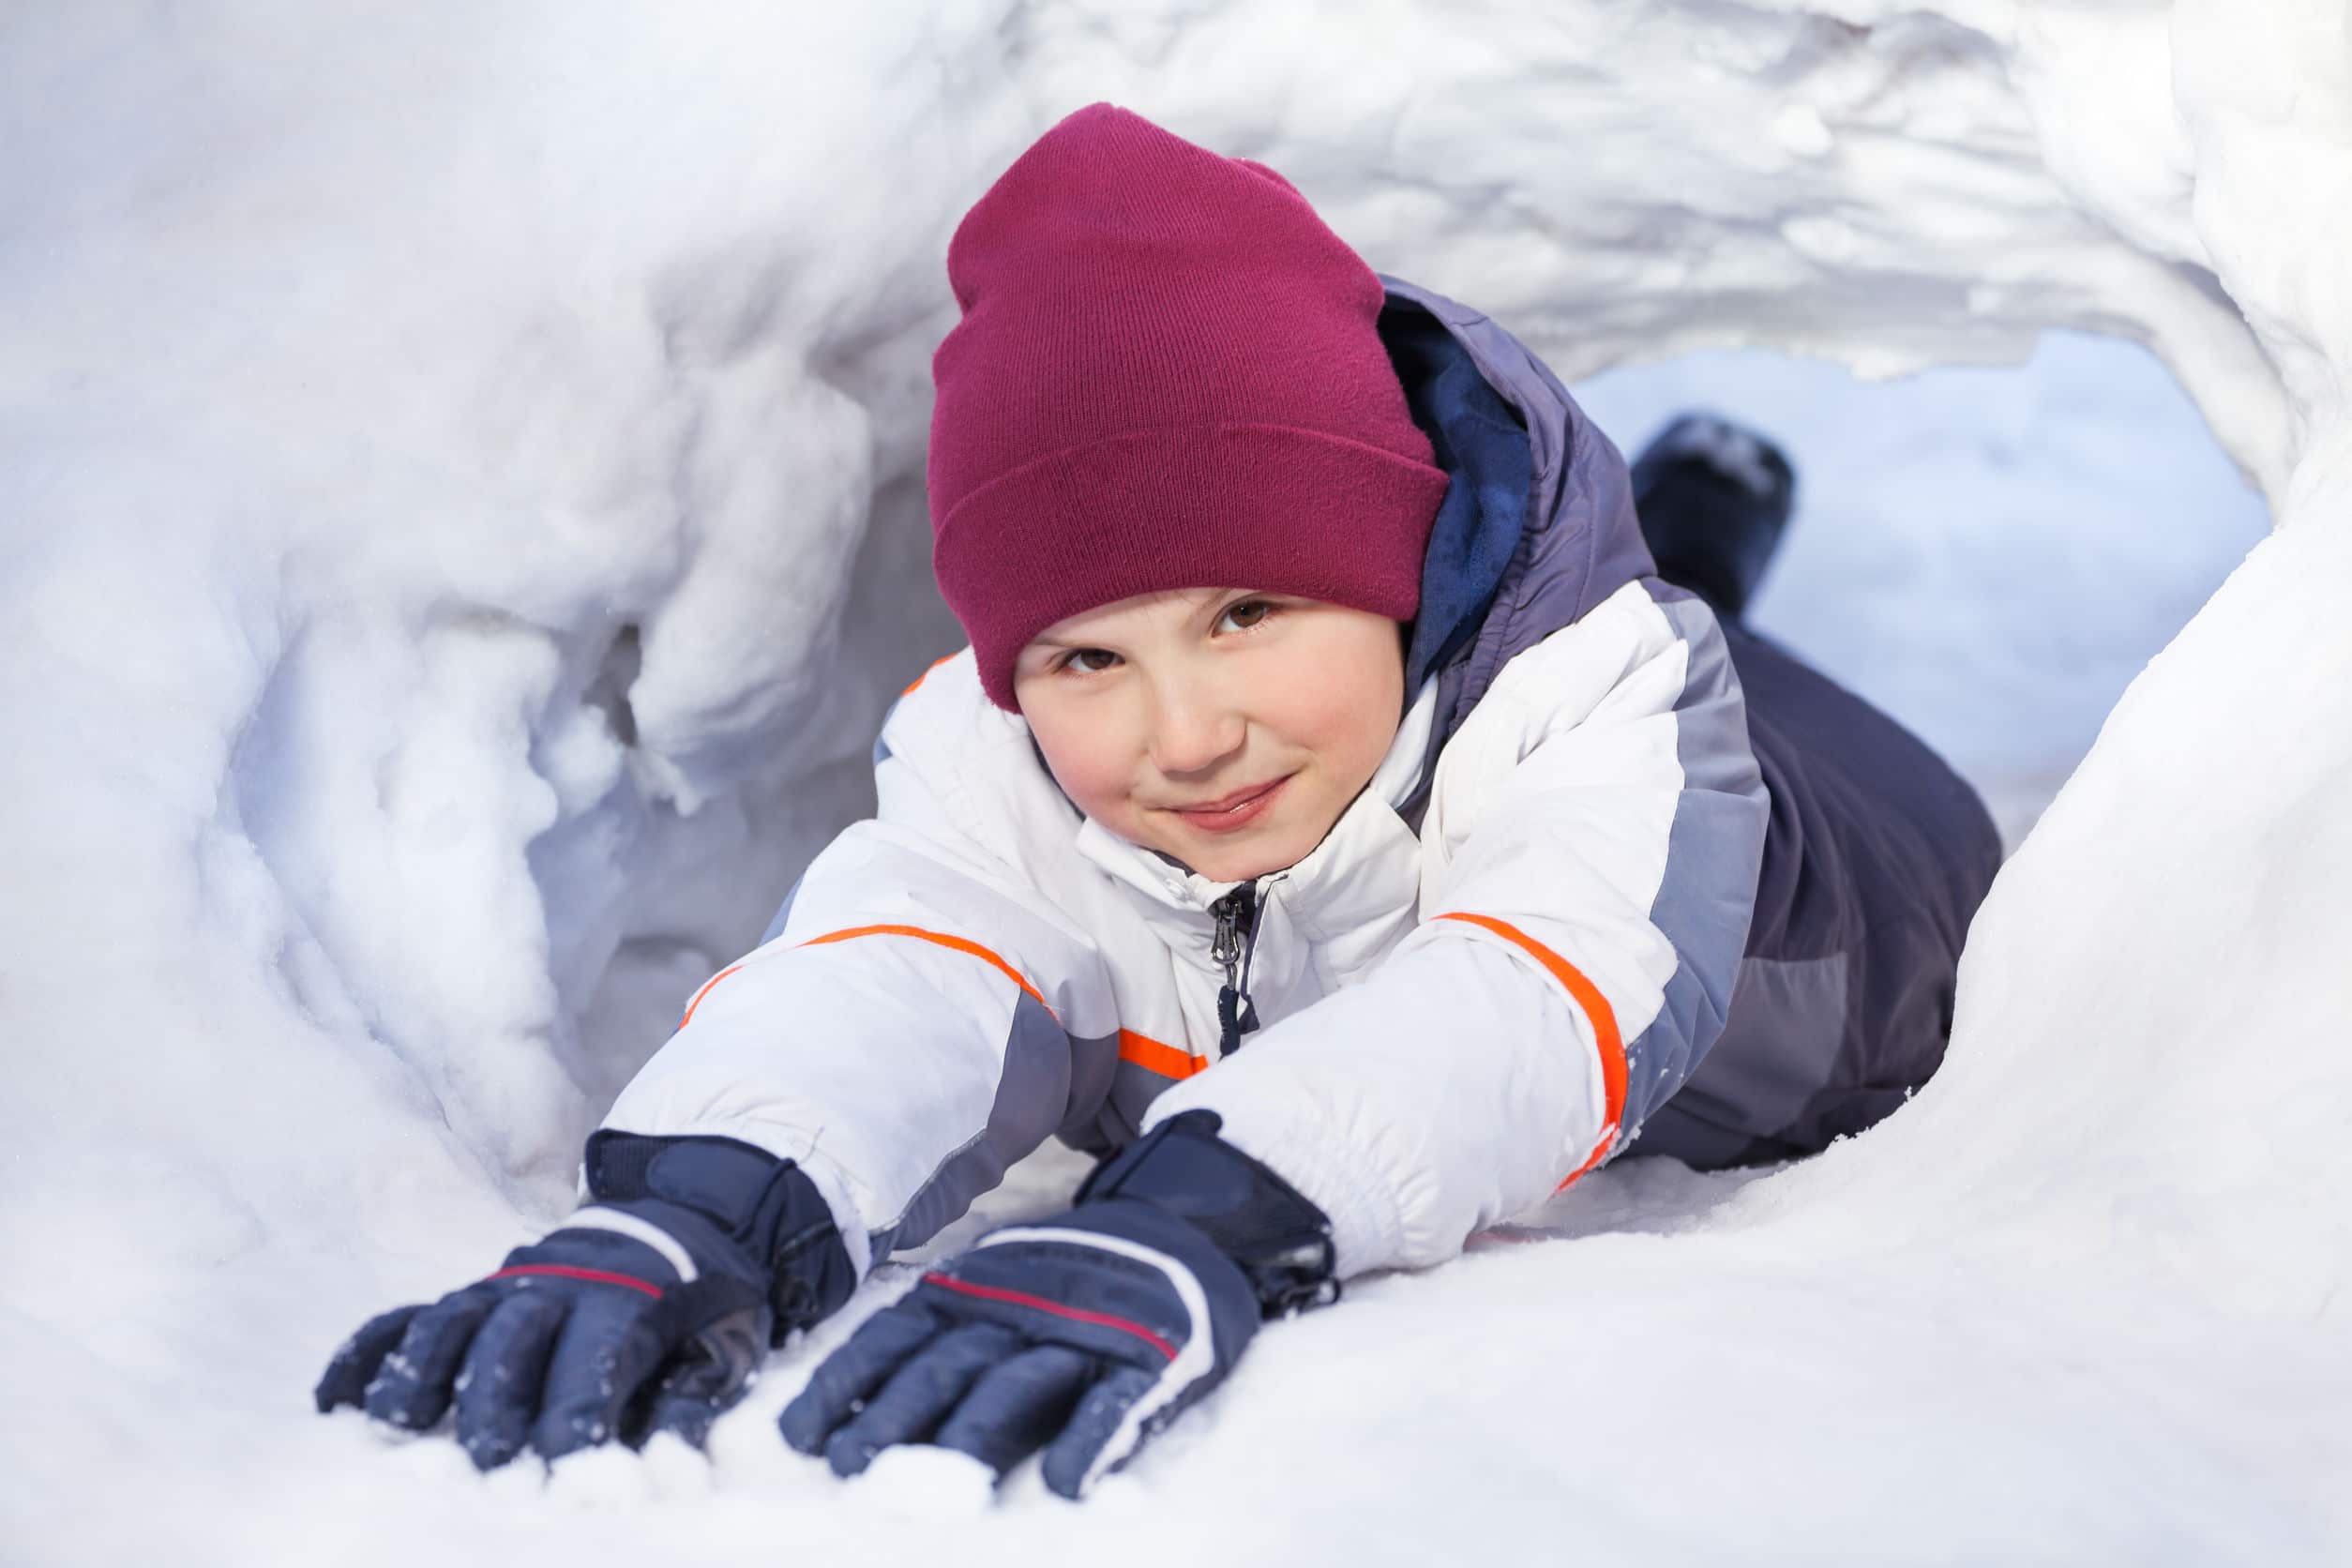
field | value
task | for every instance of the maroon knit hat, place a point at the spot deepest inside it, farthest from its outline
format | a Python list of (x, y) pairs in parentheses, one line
[(1167, 376)]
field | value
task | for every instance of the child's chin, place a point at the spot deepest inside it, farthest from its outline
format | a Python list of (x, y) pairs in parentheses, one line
[(1240, 863), (1256, 852)]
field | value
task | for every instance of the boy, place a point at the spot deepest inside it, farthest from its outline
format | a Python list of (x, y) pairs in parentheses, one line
[(1341, 819)]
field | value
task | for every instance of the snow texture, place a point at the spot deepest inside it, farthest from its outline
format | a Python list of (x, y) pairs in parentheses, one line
[(461, 473)]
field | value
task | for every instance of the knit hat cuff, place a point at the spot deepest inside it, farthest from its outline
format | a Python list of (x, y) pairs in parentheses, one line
[(1087, 525)]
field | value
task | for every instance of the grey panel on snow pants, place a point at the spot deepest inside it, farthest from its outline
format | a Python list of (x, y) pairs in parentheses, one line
[(1875, 861)]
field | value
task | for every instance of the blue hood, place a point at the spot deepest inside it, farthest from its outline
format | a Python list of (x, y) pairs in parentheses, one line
[(1537, 525)]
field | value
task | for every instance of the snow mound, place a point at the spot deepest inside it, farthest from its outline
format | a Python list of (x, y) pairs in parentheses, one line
[(464, 520)]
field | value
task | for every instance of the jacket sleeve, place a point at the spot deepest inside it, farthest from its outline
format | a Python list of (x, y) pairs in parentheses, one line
[(1589, 868), (919, 1019)]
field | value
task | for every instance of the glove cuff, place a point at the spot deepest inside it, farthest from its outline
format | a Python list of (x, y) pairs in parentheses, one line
[(1276, 1236), (766, 1206)]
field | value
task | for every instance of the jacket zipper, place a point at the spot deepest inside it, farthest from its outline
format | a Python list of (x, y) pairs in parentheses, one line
[(1233, 946)]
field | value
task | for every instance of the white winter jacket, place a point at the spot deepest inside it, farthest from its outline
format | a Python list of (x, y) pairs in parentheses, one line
[(1445, 1011)]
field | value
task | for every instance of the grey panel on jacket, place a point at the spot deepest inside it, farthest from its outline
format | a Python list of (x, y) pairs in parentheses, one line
[(1092, 1124), (1719, 820), (1032, 1095), (1133, 1088)]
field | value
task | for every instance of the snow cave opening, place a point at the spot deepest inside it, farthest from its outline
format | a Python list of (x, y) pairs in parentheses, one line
[(1989, 553)]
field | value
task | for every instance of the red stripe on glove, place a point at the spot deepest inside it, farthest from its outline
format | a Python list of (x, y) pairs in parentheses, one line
[(1076, 1314), (594, 1276)]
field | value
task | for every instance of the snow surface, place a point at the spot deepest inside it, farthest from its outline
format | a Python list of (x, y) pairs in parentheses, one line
[(461, 475)]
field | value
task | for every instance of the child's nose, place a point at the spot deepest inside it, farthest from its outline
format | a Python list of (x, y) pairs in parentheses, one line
[(1193, 732)]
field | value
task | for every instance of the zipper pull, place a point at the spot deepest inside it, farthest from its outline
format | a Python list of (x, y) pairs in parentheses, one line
[(1236, 916), (1225, 946)]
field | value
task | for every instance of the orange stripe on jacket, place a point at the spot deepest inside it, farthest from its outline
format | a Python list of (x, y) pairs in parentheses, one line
[(942, 939), (1165, 1059), (1596, 1007), (705, 991)]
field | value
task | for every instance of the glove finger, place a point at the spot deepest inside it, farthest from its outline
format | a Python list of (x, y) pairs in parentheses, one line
[(1018, 1406), (697, 1387), (607, 1349), (498, 1392), (1098, 1438), (920, 1392), (411, 1390), (354, 1363), (843, 1379)]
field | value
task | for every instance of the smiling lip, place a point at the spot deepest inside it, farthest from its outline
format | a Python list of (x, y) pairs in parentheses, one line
[(1235, 810)]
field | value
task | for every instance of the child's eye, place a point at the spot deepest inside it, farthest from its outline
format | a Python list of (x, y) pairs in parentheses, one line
[(1246, 613), (1082, 661)]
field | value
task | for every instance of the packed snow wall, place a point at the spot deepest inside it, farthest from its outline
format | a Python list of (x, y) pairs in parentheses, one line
[(464, 518)]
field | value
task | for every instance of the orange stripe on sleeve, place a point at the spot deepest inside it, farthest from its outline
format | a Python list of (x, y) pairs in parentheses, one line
[(942, 939), (705, 991), (1596, 1007), (1150, 1054)]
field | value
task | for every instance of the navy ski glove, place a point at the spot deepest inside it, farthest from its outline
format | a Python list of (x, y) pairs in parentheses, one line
[(647, 1311), (1081, 1335)]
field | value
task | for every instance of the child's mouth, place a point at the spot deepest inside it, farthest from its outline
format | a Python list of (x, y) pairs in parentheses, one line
[(1238, 814)]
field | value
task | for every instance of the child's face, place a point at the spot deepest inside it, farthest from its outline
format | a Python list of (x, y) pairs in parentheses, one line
[(1157, 712)]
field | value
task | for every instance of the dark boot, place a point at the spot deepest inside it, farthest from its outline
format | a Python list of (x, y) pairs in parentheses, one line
[(1713, 498)]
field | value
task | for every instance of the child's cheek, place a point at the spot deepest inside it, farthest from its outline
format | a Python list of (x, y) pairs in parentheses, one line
[(1084, 766), (1346, 712)]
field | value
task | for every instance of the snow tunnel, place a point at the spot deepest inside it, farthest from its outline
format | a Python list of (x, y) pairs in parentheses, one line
[(468, 520), (1988, 553)]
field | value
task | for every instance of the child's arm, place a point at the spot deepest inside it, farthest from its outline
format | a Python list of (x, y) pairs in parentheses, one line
[(923, 1018), (1588, 902)]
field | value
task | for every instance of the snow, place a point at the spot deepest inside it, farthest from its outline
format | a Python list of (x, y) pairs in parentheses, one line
[(922, 1482), (462, 483)]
